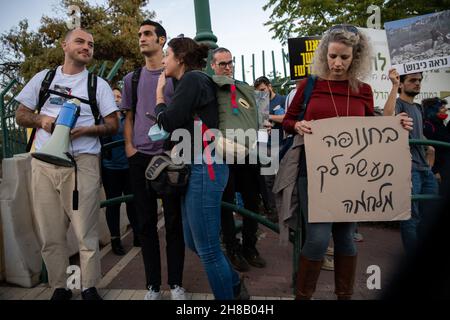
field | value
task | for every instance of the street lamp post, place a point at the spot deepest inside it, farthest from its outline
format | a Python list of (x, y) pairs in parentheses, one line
[(203, 24), (204, 32)]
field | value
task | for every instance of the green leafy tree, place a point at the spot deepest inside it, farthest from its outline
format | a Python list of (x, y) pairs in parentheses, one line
[(114, 26), (295, 18)]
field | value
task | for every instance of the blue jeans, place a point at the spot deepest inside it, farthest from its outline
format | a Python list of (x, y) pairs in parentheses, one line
[(423, 182), (318, 234), (201, 209)]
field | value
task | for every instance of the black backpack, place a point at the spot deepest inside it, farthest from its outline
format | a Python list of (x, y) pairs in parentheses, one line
[(45, 91)]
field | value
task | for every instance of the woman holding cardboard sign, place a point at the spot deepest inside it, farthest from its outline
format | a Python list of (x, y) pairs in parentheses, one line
[(342, 58)]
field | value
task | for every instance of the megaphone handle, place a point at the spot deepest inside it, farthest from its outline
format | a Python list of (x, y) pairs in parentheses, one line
[(53, 125), (75, 189)]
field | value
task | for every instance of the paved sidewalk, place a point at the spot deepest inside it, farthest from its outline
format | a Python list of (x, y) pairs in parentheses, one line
[(123, 277), (381, 247)]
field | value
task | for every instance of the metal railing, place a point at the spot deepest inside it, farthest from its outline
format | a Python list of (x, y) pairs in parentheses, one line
[(280, 80), (296, 237), (14, 138)]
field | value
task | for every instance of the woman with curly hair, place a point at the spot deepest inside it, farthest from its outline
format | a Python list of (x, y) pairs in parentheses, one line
[(340, 61)]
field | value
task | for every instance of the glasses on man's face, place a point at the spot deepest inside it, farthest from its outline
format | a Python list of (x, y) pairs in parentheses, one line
[(345, 27), (225, 64)]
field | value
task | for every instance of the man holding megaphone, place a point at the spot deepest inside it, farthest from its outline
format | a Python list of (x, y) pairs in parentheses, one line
[(66, 165)]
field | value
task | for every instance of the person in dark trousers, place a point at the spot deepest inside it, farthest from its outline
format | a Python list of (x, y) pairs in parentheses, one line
[(276, 116), (242, 178), (423, 180), (116, 182), (434, 128), (140, 150)]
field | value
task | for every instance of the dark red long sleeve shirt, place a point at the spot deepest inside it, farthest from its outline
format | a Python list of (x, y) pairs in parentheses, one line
[(321, 105)]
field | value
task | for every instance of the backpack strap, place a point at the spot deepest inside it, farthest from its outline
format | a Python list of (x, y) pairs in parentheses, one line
[(307, 93), (92, 95), (204, 129), (310, 82), (43, 96), (45, 91), (134, 89), (234, 105)]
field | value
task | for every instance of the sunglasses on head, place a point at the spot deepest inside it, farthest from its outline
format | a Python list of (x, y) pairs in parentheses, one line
[(345, 27)]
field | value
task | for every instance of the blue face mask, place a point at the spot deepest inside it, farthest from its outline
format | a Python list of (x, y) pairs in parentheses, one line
[(157, 133)]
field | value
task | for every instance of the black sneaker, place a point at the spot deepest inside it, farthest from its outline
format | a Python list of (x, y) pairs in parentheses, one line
[(61, 294), (90, 294), (240, 291), (237, 260), (253, 258), (116, 246)]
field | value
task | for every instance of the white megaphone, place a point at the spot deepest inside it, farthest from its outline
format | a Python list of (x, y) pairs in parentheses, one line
[(56, 149)]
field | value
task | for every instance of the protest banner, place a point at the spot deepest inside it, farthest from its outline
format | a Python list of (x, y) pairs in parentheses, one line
[(420, 43), (301, 53), (359, 169), (436, 83)]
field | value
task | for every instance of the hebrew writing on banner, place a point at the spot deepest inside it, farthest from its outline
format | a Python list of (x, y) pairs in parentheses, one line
[(359, 169), (420, 43)]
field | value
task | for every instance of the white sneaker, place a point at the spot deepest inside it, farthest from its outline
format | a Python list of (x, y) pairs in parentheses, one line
[(178, 293), (153, 295)]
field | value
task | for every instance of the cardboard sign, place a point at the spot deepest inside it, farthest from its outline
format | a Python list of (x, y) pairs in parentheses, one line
[(301, 53), (359, 169), (420, 43)]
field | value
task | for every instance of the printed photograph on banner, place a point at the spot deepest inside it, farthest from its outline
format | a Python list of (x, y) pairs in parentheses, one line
[(435, 83), (301, 53), (420, 43), (359, 169)]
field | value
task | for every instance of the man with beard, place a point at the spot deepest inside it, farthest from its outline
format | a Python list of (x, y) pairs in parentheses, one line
[(53, 192), (138, 100), (423, 180)]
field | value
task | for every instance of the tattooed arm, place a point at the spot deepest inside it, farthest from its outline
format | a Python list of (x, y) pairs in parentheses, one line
[(27, 118), (108, 128)]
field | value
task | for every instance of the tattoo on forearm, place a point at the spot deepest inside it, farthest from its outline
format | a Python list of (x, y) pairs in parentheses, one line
[(28, 119), (105, 129)]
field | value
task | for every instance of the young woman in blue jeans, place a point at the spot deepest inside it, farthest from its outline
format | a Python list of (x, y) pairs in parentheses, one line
[(194, 105)]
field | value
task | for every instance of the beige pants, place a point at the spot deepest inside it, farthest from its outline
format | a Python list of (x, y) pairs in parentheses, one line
[(52, 200)]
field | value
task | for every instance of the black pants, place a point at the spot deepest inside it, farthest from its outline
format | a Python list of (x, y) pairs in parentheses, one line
[(116, 184), (146, 208), (243, 178)]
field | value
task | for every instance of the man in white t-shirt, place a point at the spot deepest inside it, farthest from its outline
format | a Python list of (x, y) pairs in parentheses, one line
[(53, 186)]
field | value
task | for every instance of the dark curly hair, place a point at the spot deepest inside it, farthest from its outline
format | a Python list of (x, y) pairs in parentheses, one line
[(192, 54)]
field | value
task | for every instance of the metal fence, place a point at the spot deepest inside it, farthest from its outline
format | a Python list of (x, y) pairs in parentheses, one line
[(280, 77)]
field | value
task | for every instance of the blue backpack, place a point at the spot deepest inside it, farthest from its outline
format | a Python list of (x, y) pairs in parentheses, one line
[(287, 143)]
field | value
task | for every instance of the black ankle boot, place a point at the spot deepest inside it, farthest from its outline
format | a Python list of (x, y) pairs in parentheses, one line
[(116, 246)]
